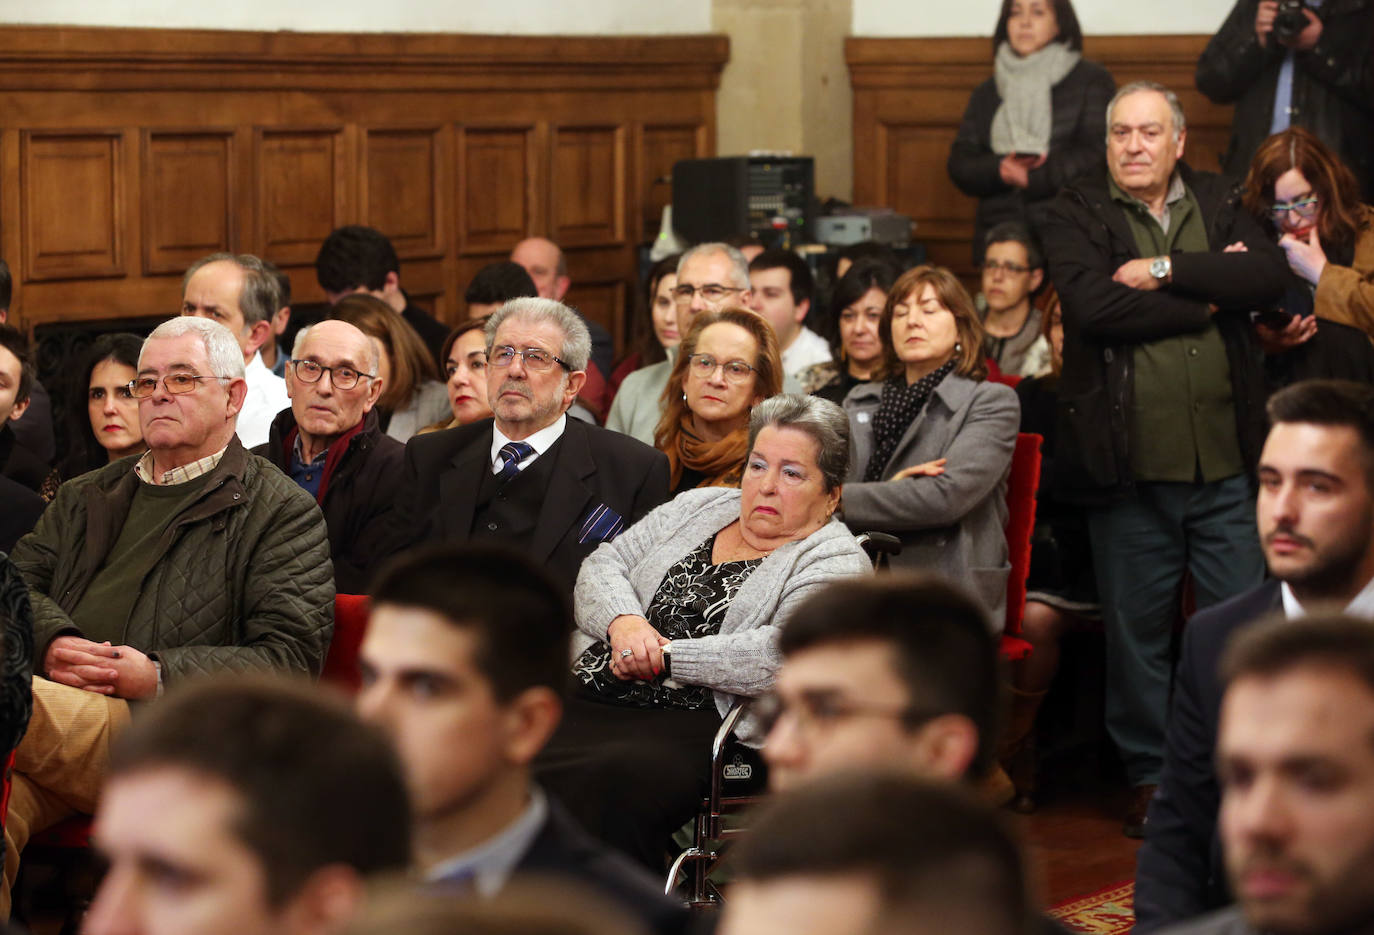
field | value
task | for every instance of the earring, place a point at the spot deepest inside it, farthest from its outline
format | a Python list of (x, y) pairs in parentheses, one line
[(958, 348)]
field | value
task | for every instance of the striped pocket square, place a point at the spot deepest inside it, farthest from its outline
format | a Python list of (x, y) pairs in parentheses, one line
[(601, 525)]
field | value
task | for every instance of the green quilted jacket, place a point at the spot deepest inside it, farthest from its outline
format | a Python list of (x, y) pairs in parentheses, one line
[(244, 579)]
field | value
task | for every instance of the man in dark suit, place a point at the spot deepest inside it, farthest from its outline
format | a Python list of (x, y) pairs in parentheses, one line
[(1316, 524), (464, 661), (531, 478)]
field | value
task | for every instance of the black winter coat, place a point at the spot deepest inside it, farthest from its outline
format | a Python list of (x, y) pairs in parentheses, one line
[(1087, 237), (1077, 145), (358, 497), (1332, 84)]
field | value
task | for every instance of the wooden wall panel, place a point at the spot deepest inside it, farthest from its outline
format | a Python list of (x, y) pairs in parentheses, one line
[(74, 211), (496, 201), (403, 189), (170, 144), (910, 95), (190, 196)]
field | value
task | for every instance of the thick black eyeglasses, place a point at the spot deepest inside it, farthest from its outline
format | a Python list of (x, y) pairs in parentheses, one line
[(343, 378)]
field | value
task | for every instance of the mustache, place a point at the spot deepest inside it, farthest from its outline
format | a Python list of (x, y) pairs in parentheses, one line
[(516, 385), (1286, 530)]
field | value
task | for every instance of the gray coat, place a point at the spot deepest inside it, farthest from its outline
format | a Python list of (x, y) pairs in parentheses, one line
[(621, 577), (954, 523)]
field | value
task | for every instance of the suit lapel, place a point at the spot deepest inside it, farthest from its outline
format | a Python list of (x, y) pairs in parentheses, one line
[(458, 488), (952, 395), (566, 498)]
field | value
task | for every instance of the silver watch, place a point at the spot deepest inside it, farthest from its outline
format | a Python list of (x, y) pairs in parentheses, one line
[(1161, 267)]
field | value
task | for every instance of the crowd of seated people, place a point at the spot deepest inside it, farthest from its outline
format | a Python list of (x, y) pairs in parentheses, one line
[(579, 566)]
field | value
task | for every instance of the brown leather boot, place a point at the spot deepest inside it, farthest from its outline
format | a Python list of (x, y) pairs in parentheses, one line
[(1016, 751)]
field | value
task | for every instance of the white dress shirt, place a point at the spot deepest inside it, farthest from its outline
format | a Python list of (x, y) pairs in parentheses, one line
[(265, 398), (806, 350), (541, 441), (1362, 606)]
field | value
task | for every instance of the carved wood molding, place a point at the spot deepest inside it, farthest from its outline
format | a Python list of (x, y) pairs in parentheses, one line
[(71, 58)]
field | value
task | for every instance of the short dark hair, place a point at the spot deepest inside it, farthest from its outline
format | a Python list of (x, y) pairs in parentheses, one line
[(283, 281), (85, 452), (6, 286), (17, 343), (942, 647), (500, 282), (1277, 645), (316, 786), (521, 618), (802, 282), (1070, 33), (1332, 403), (1016, 232), (931, 849), (861, 276), (354, 256)]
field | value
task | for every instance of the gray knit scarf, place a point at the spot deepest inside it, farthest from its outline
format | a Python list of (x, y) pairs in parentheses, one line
[(1024, 119)]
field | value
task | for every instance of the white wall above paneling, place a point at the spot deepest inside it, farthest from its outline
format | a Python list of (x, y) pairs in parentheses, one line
[(521, 17), (1097, 17)]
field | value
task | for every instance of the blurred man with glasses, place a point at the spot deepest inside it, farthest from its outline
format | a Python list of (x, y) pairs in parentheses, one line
[(331, 443), (531, 478), (195, 558)]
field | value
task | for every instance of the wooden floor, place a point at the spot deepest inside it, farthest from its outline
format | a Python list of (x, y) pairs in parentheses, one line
[(1073, 840)]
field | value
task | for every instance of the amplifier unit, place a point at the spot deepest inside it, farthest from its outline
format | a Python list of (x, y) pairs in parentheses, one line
[(770, 198)]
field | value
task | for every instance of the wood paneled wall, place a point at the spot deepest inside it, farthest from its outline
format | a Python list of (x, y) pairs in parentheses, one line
[(910, 95), (125, 154)]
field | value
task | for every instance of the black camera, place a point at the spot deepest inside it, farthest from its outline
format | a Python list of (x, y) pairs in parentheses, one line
[(1290, 20)]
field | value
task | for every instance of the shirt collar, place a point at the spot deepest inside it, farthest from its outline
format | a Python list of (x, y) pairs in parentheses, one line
[(298, 451), (491, 863), (1176, 193), (256, 363), (177, 475), (1361, 606), (541, 441)]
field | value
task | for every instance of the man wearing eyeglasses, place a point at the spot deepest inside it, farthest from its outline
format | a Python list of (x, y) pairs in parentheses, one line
[(196, 557), (530, 478), (331, 444)]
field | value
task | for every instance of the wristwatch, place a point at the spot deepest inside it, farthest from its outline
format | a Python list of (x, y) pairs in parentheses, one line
[(1161, 267), (667, 661)]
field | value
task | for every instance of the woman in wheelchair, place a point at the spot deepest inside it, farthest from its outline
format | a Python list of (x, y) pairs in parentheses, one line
[(678, 618), (933, 442)]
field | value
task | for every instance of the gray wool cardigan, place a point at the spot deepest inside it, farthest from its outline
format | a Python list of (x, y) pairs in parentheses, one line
[(621, 577)]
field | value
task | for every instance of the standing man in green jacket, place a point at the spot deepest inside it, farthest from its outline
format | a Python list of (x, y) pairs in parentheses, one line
[(196, 557)]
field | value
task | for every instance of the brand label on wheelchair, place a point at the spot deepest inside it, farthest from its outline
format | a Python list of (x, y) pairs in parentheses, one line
[(737, 769)]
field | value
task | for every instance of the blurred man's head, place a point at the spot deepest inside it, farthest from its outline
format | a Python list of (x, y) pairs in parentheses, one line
[(780, 284), (243, 806), (873, 855), (1295, 756), (496, 284), (1316, 501), (898, 672), (236, 290), (359, 259), (464, 661), (710, 276), (544, 261)]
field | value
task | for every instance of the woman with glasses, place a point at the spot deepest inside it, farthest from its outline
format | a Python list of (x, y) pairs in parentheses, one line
[(933, 441), (411, 397), (1310, 200), (726, 365), (102, 419), (1035, 125), (678, 619)]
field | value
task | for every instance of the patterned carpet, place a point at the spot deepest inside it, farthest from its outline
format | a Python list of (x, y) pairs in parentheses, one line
[(1106, 912)]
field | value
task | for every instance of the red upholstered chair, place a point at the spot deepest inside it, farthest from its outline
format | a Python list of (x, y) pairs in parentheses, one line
[(350, 623), (1022, 484)]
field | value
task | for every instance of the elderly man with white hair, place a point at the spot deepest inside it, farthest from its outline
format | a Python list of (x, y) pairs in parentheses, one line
[(530, 478), (331, 443), (195, 557)]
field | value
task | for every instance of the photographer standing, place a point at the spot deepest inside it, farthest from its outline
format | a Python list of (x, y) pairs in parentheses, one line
[(1295, 63)]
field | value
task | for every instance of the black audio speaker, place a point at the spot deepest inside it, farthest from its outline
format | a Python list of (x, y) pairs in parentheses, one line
[(771, 198)]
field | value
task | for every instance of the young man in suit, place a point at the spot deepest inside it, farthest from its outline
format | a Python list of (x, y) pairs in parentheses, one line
[(464, 661), (1316, 519), (530, 478)]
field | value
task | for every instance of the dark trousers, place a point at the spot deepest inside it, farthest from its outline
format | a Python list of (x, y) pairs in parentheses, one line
[(631, 776), (1142, 546)]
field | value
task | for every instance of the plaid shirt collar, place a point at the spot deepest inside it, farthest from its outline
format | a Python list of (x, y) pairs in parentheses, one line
[(177, 475)]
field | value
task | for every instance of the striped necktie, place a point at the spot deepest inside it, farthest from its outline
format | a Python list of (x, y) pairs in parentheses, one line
[(512, 453)]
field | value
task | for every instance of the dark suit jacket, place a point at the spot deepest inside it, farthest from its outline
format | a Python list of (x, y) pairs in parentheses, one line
[(562, 849), (1179, 873), (592, 467)]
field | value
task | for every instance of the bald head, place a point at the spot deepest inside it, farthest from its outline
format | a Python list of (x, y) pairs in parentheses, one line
[(544, 261), (323, 408)]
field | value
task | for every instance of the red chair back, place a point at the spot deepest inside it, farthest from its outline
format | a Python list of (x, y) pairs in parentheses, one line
[(1022, 484), (350, 623)]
